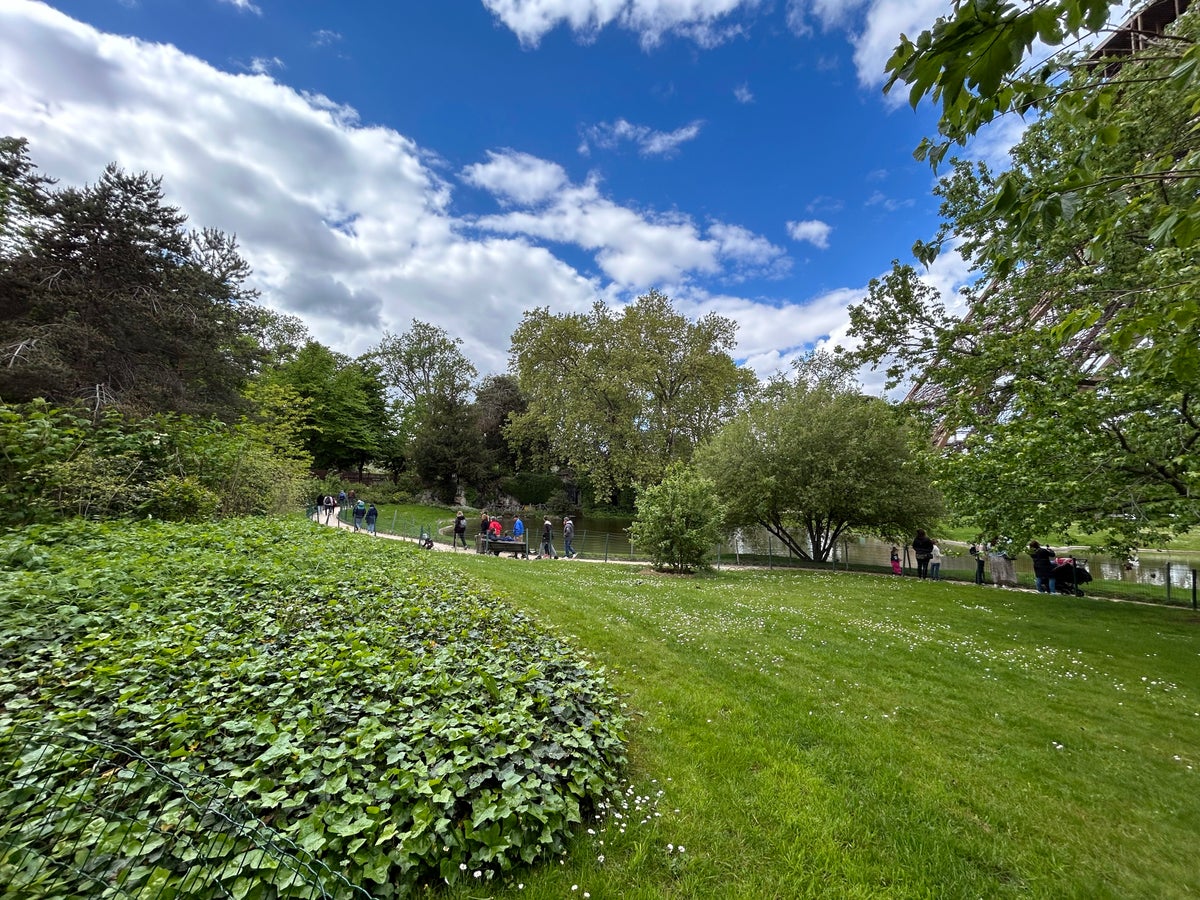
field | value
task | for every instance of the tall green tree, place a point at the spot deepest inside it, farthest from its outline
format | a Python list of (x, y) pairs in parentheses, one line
[(498, 399), (623, 395), (427, 378), (447, 451), (1071, 384), (345, 409), (809, 461), (110, 300), (1130, 160)]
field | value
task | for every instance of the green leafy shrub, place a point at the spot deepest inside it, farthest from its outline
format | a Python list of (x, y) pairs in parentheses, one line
[(54, 463), (361, 698), (180, 499), (678, 521)]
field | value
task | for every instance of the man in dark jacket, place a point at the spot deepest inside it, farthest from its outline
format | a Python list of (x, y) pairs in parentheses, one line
[(547, 541), (568, 537), (1043, 567), (922, 549)]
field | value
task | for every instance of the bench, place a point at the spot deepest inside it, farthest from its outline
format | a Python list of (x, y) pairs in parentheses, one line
[(496, 547)]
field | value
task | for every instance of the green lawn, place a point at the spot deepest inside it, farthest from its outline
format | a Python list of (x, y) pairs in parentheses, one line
[(841, 735), (792, 733)]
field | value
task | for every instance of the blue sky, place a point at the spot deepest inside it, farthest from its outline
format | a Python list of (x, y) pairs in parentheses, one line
[(462, 161)]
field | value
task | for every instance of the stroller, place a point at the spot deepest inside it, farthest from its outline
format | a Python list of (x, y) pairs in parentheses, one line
[(1068, 574)]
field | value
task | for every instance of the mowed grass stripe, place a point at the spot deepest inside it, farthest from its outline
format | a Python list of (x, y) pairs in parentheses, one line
[(845, 735)]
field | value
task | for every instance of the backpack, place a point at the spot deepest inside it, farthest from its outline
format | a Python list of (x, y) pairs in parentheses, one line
[(360, 506), (328, 500)]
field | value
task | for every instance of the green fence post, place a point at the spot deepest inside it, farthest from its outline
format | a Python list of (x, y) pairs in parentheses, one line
[(606, 537), (770, 557), (1168, 582)]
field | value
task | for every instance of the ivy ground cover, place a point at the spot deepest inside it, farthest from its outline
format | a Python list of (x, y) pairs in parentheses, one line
[(359, 697), (814, 734)]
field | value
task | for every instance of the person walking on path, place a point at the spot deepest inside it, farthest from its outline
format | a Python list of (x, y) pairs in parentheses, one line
[(329, 507), (923, 550), (547, 540), (460, 531), (568, 537), (360, 513), (1043, 567), (935, 563), (371, 517)]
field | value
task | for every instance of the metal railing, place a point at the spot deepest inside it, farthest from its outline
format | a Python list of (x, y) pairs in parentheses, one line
[(1168, 582)]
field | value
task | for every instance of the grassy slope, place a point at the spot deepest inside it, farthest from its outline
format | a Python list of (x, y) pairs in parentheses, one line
[(853, 736)]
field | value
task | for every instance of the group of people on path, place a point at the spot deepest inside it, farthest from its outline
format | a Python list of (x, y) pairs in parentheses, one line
[(493, 528), (363, 514), (994, 552), (997, 555)]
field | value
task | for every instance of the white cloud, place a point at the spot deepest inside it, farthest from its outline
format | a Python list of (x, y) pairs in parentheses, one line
[(517, 177), (707, 22), (635, 249), (324, 37), (772, 335), (262, 65), (344, 224), (244, 6), (649, 142), (886, 20), (352, 226), (814, 231), (742, 94), (891, 204)]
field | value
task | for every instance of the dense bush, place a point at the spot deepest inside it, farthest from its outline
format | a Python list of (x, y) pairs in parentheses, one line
[(678, 521), (359, 697), (57, 462)]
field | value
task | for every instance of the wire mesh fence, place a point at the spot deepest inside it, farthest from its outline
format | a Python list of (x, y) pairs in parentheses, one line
[(1162, 581), (83, 817)]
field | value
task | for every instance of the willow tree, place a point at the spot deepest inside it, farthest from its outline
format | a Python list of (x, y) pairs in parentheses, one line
[(621, 395)]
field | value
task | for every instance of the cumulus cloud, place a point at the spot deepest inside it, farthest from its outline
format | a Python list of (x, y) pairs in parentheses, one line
[(649, 142), (635, 249), (354, 227), (517, 177), (743, 94), (263, 65), (348, 225), (814, 231), (706, 22), (772, 335)]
